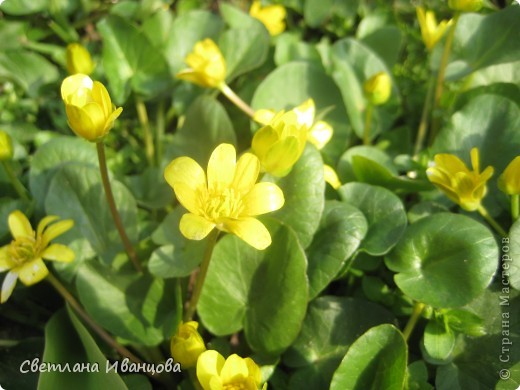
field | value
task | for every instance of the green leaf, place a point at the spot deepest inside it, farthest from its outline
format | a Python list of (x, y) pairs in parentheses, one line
[(342, 227), (438, 340), (131, 62), (514, 253), (24, 7), (53, 155), (386, 43), (317, 12), (150, 189), (444, 260), (76, 192), (29, 70), (353, 64), (289, 47), (265, 292), (206, 120), (384, 212), (483, 40), (136, 307), (417, 376), (464, 321), (14, 353), (291, 84), (345, 167), (377, 360), (68, 342), (303, 190)]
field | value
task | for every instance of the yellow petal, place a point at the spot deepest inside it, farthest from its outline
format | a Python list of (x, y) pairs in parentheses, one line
[(193, 77), (209, 365), (55, 230), (188, 180), (44, 223), (234, 370), (5, 261), (264, 116), (263, 198), (32, 272), (80, 123), (320, 134), (251, 230), (19, 225), (450, 163), (475, 160), (246, 172), (102, 97), (263, 140), (71, 84), (98, 118), (111, 119), (305, 113), (280, 159), (195, 227), (331, 177), (8, 286), (59, 252), (221, 167), (254, 371), (509, 180)]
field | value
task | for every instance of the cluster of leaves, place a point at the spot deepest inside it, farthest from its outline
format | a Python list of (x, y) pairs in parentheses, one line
[(323, 305)]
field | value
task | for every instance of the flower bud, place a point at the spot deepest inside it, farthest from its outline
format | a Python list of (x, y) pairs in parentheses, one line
[(465, 5), (509, 180), (272, 16), (89, 108), (6, 146), (378, 88), (78, 59), (187, 344)]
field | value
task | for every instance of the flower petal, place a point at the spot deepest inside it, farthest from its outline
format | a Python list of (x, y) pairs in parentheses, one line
[(80, 123), (263, 140), (32, 272), (195, 227), (263, 198), (246, 172), (305, 112), (101, 97), (263, 116), (5, 261), (234, 370), (19, 225), (55, 230), (44, 223), (71, 84), (254, 371), (209, 365), (251, 230), (450, 163), (282, 156), (221, 167), (331, 176), (59, 252), (8, 286), (188, 180), (320, 134)]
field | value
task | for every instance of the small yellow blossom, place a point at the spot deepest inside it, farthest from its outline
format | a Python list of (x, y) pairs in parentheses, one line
[(89, 108), (78, 59), (378, 88), (509, 180), (465, 5), (207, 67), (319, 132), (462, 186), (228, 199), (23, 257), (331, 176), (216, 373), (272, 16), (431, 31), (6, 146), (280, 144), (187, 344)]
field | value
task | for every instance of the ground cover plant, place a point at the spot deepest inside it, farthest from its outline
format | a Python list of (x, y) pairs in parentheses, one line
[(285, 194)]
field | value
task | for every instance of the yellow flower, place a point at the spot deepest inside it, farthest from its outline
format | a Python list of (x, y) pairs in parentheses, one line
[(378, 88), (464, 187), (331, 176), (228, 199), (319, 133), (431, 31), (207, 66), (234, 373), (89, 108), (509, 180), (465, 5), (6, 146), (187, 344), (78, 59), (272, 16), (23, 257), (280, 144)]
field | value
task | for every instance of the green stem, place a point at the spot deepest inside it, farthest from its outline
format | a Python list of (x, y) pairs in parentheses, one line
[(368, 123), (423, 126), (62, 290), (192, 304), (159, 133), (440, 76), (15, 182), (483, 211), (142, 114), (112, 206), (515, 206), (235, 99), (416, 314)]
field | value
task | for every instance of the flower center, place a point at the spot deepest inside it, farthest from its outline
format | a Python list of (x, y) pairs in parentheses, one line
[(236, 386), (24, 249), (224, 204)]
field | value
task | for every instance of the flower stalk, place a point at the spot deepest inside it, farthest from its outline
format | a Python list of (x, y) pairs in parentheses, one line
[(197, 289), (15, 182), (423, 125), (418, 308), (368, 124), (483, 211), (147, 131), (236, 100), (515, 206), (112, 206)]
